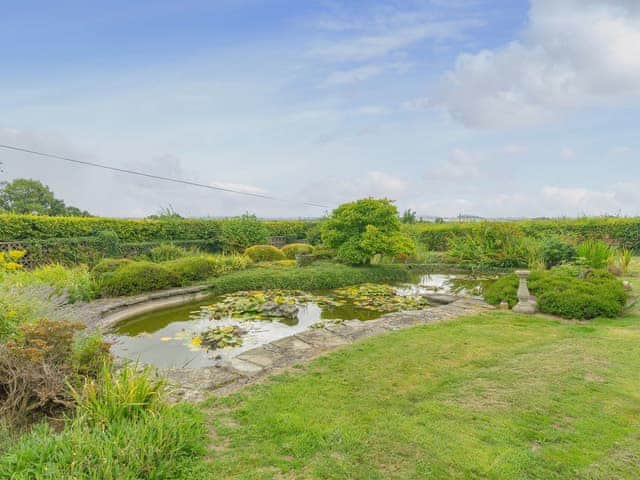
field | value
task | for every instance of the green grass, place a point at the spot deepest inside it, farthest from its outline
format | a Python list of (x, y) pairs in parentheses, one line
[(320, 276), (497, 396), (122, 430)]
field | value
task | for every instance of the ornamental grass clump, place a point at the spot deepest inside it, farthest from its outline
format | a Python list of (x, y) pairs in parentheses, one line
[(595, 253)]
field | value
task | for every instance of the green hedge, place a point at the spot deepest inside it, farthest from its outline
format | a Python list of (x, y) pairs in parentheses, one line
[(624, 232), (29, 227), (89, 250)]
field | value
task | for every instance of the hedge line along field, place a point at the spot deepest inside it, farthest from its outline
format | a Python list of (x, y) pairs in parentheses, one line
[(38, 227), (624, 232)]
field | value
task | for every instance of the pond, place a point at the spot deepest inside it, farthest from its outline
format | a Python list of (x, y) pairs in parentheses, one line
[(170, 337)]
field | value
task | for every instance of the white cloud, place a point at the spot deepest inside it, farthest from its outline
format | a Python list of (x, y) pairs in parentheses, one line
[(380, 44), (334, 190), (364, 72), (353, 75), (460, 165), (513, 149), (567, 153), (574, 53)]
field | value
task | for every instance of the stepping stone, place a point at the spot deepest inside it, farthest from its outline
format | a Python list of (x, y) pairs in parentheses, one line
[(322, 338), (244, 367), (259, 356)]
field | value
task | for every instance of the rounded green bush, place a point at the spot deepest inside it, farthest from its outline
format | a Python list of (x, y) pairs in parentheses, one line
[(190, 269), (137, 277), (264, 253), (567, 291), (109, 265), (290, 251)]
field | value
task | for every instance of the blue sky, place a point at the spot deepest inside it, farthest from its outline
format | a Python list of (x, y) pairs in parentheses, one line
[(493, 108)]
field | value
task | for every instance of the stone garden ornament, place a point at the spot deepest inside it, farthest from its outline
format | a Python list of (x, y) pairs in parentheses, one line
[(526, 302)]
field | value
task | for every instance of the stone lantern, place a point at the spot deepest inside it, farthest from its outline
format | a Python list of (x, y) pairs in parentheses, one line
[(526, 303)]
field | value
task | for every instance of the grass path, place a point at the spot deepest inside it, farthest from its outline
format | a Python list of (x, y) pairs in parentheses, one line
[(493, 396)]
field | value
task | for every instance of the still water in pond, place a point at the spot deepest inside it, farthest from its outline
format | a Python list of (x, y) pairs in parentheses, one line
[(165, 338)]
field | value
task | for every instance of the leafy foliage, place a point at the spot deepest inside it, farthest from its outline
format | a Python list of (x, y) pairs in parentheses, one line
[(567, 291), (167, 251), (554, 251), (10, 260), (39, 366), (362, 229), (124, 428), (264, 253), (226, 336), (314, 277), (239, 233), (108, 243), (24, 195), (595, 253), (290, 251), (137, 277), (492, 245), (129, 277)]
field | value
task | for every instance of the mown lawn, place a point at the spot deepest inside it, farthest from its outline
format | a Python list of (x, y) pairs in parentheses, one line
[(497, 396)]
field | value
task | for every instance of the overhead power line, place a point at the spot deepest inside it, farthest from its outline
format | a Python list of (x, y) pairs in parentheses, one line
[(160, 177)]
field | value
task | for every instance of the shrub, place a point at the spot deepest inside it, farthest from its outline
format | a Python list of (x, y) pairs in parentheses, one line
[(595, 253), (239, 233), (322, 252), (136, 278), (71, 283), (201, 267), (10, 261), (264, 253), (360, 230), (167, 251), (39, 367), (190, 269), (109, 265), (290, 251), (503, 290), (554, 251), (314, 277), (492, 245), (123, 429), (566, 291)]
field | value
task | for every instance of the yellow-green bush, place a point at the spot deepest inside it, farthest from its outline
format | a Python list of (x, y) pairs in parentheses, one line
[(290, 251), (137, 277), (264, 253)]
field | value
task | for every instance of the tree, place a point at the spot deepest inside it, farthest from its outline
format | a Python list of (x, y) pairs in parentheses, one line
[(409, 216), (362, 229), (24, 195), (241, 232)]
